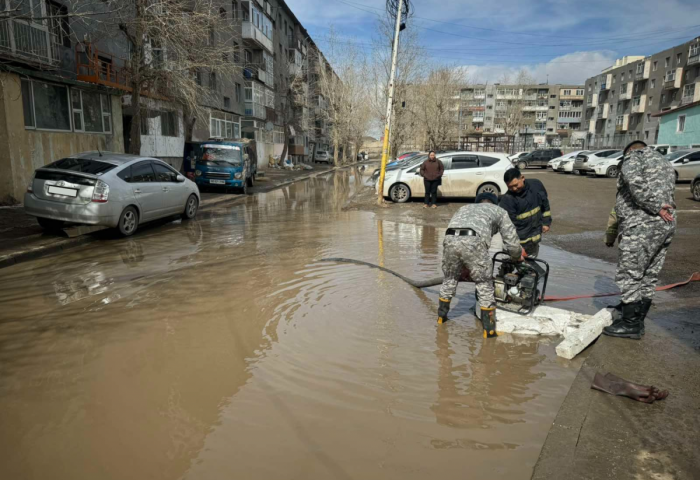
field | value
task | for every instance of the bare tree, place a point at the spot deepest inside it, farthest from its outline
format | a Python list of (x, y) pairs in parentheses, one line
[(435, 102), (172, 45), (292, 94)]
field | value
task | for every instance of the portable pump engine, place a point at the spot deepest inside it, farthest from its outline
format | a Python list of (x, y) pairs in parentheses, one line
[(519, 286)]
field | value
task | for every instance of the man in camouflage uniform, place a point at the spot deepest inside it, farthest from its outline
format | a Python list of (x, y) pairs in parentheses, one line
[(466, 247), (646, 223)]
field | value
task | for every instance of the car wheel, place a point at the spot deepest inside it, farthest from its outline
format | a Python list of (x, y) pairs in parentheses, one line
[(576, 172), (244, 188), (611, 172), (488, 188), (676, 177), (191, 208), (400, 193), (696, 191), (250, 181), (522, 165), (128, 221), (49, 224)]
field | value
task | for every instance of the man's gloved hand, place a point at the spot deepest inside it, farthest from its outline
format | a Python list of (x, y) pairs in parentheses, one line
[(523, 254)]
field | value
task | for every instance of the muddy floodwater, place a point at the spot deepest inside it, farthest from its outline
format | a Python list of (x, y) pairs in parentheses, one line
[(223, 349)]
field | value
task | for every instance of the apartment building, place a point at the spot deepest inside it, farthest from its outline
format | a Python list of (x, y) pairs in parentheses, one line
[(621, 102), (544, 115)]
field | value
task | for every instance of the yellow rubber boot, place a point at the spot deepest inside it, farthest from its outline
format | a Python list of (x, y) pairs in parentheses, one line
[(443, 310), (488, 319)]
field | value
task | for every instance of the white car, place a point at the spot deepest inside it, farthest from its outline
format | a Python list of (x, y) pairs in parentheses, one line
[(585, 162), (514, 158), (686, 163), (467, 174), (322, 156), (609, 167), (555, 163), (663, 149)]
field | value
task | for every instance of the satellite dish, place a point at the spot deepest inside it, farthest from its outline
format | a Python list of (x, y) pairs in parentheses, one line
[(269, 126)]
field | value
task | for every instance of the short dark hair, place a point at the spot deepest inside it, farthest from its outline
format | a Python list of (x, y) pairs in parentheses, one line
[(632, 144), (432, 151), (512, 174)]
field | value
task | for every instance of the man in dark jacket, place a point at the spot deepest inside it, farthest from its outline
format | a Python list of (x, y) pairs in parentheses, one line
[(431, 170), (528, 207)]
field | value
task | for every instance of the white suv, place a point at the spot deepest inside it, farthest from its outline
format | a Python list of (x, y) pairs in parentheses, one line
[(322, 156)]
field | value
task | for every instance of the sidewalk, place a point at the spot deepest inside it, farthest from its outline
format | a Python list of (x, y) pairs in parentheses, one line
[(22, 239)]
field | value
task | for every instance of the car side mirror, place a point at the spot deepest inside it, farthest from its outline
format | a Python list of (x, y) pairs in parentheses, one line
[(179, 179), (417, 172), (686, 160)]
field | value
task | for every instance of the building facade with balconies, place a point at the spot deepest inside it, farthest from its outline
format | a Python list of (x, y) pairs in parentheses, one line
[(546, 114), (622, 102)]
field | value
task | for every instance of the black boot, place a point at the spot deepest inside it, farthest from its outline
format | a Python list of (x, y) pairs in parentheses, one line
[(646, 305), (616, 313), (488, 319), (443, 310), (630, 325)]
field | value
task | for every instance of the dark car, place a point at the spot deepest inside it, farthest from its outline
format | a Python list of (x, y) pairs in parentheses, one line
[(695, 188), (538, 158)]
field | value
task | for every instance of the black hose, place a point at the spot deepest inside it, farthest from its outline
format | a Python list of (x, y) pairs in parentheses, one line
[(416, 283)]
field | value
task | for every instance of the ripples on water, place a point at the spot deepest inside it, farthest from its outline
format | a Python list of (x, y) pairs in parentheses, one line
[(224, 349)]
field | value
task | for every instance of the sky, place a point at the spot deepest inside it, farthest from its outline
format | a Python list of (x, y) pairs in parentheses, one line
[(559, 41)]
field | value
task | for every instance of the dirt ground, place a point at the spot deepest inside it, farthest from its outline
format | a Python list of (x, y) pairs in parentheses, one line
[(580, 209)]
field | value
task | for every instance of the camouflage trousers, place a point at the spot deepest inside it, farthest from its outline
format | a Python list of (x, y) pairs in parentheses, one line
[(469, 253), (642, 253)]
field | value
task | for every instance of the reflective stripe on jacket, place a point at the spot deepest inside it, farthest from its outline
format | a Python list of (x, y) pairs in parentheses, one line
[(529, 210)]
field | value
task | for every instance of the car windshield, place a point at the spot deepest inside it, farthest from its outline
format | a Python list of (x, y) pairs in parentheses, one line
[(224, 155), (84, 165), (675, 155)]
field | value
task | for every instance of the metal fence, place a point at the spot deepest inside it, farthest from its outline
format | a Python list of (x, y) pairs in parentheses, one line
[(28, 40)]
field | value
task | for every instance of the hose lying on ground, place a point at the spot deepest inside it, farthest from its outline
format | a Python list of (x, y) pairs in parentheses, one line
[(431, 282)]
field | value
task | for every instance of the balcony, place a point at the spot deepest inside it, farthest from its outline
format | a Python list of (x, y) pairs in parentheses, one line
[(101, 68), (255, 110), (639, 108), (29, 42), (694, 56), (626, 95), (620, 128), (477, 119), (474, 108), (296, 149), (603, 87), (603, 111), (535, 108), (296, 44), (254, 35), (673, 78), (571, 97)]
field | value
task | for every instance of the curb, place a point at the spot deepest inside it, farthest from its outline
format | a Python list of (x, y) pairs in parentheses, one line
[(62, 245)]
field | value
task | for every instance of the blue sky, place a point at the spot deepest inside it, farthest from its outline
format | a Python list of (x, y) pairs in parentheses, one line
[(567, 40)]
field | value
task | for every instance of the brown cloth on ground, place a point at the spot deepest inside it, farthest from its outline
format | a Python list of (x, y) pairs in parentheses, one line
[(615, 385)]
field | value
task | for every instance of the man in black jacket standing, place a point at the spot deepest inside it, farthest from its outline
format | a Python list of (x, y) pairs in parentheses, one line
[(528, 208)]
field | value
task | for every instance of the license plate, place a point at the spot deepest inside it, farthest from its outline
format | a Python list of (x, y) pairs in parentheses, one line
[(218, 182), (66, 192)]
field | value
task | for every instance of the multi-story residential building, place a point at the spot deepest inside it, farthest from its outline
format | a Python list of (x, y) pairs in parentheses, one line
[(540, 114), (622, 101)]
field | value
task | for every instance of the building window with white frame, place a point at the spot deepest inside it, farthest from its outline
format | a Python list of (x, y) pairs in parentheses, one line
[(46, 106), (681, 124)]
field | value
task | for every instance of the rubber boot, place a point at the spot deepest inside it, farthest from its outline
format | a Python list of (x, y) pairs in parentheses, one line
[(646, 305), (630, 325), (616, 313), (443, 310), (488, 320)]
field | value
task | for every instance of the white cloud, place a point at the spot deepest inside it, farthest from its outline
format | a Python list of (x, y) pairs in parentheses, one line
[(572, 68)]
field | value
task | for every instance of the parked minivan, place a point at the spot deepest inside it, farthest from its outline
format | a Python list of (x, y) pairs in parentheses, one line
[(538, 158), (222, 164)]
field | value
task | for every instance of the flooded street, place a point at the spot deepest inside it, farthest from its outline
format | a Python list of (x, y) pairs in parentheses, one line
[(223, 348)]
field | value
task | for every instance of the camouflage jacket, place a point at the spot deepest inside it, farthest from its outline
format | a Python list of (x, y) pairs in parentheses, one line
[(613, 228), (647, 181), (486, 220)]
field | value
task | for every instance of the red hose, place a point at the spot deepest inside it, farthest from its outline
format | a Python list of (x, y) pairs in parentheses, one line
[(693, 278)]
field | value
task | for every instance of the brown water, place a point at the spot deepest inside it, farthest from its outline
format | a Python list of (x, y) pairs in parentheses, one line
[(223, 349)]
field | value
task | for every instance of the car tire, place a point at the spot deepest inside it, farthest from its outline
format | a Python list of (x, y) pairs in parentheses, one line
[(49, 224), (522, 165), (696, 191), (244, 189), (128, 221), (576, 172), (250, 181), (488, 188), (399, 193), (611, 172), (191, 208)]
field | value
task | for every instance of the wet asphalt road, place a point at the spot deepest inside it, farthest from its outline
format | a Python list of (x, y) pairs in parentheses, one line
[(221, 348)]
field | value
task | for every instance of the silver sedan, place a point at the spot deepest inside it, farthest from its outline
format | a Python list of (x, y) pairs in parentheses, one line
[(109, 189)]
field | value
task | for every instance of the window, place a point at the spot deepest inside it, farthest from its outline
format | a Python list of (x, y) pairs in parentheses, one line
[(227, 102), (58, 23), (163, 173), (198, 77), (654, 67), (222, 13), (622, 77), (653, 83), (648, 117), (169, 124), (680, 128), (667, 62), (238, 93), (646, 132), (236, 53), (552, 118), (552, 96), (234, 9), (212, 81), (248, 56), (579, 92), (651, 100), (463, 162), (125, 174), (46, 106), (142, 172), (487, 161), (92, 112), (640, 68), (678, 58), (689, 90), (671, 76), (614, 79), (663, 98)]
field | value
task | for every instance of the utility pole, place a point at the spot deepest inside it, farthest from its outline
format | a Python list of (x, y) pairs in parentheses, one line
[(390, 101)]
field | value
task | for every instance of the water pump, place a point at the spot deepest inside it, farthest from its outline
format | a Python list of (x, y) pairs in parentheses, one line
[(519, 286)]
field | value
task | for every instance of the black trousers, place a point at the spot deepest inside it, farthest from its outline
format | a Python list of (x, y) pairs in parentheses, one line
[(431, 190), (532, 248)]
